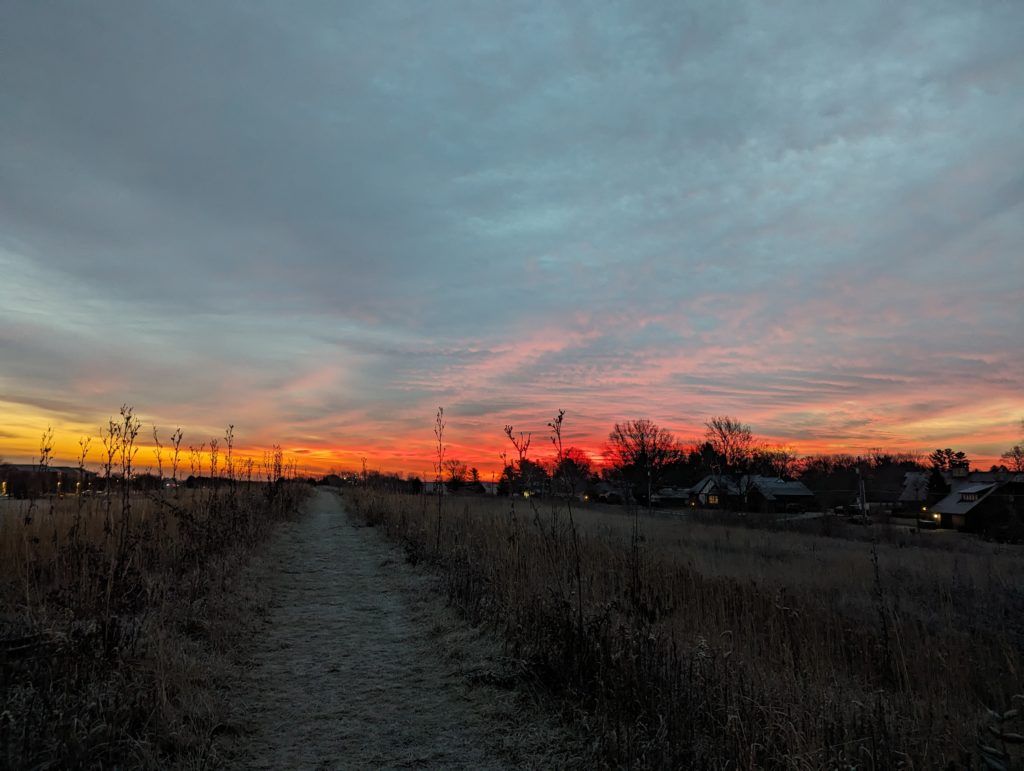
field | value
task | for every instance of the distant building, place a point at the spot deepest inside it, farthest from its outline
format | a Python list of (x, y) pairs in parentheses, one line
[(752, 493), (983, 502), (716, 491), (605, 492), (26, 480), (774, 495), (915, 490)]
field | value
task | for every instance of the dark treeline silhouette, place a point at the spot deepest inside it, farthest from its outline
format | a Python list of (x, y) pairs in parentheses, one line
[(640, 460)]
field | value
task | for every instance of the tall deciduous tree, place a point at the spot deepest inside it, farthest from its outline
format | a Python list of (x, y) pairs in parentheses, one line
[(1014, 457), (774, 461), (516, 471), (639, 451), (457, 473), (732, 440)]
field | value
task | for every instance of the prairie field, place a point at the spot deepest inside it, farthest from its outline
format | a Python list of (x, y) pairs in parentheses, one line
[(114, 610), (677, 643)]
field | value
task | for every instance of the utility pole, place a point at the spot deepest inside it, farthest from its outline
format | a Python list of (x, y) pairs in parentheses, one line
[(650, 503)]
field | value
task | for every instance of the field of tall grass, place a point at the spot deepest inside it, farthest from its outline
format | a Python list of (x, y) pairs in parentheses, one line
[(683, 644), (106, 624)]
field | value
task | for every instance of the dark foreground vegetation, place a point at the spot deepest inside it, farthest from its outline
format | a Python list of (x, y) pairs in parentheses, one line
[(679, 644), (106, 605)]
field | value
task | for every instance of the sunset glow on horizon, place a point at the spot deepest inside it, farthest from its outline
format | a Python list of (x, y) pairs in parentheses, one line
[(809, 219), (468, 440)]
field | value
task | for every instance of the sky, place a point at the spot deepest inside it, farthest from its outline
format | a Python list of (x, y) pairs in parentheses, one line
[(319, 222)]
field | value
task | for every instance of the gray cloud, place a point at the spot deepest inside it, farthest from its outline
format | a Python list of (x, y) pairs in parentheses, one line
[(200, 197)]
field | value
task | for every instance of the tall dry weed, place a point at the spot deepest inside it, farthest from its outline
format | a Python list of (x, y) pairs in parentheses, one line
[(699, 646), (103, 591)]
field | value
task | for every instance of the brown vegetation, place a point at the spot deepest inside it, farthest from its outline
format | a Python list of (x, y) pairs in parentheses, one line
[(680, 644), (105, 621)]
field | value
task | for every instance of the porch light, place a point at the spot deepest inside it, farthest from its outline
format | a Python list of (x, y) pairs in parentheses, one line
[(936, 516)]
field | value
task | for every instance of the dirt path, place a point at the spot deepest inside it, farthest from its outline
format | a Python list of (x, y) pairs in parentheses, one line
[(358, 664)]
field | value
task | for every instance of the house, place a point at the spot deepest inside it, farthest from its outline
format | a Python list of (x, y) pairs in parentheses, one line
[(915, 490), (775, 495), (716, 491), (752, 492), (883, 488), (989, 503)]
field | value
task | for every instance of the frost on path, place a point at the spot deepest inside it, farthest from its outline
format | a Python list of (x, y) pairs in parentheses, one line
[(356, 663)]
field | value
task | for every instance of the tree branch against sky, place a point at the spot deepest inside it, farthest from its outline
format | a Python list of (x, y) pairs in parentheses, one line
[(1014, 457), (732, 440), (639, 451)]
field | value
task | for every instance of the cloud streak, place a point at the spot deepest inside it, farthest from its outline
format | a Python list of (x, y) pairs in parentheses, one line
[(322, 224)]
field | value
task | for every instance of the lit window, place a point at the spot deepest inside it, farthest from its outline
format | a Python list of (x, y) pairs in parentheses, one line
[(713, 499)]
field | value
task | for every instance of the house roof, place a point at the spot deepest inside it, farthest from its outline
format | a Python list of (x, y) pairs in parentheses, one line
[(976, 487), (35, 467), (915, 483), (953, 503), (724, 484), (915, 486), (770, 487), (976, 477), (773, 487)]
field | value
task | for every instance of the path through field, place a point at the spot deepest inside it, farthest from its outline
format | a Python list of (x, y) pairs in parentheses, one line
[(358, 664)]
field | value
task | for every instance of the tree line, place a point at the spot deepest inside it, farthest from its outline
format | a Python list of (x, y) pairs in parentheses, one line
[(640, 457)]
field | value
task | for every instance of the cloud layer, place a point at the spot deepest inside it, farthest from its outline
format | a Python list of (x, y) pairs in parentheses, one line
[(320, 224)]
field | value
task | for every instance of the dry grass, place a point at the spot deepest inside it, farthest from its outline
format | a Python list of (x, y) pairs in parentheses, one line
[(681, 644), (108, 640)]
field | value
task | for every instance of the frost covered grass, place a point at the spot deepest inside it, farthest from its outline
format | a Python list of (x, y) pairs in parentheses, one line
[(107, 631), (676, 643)]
